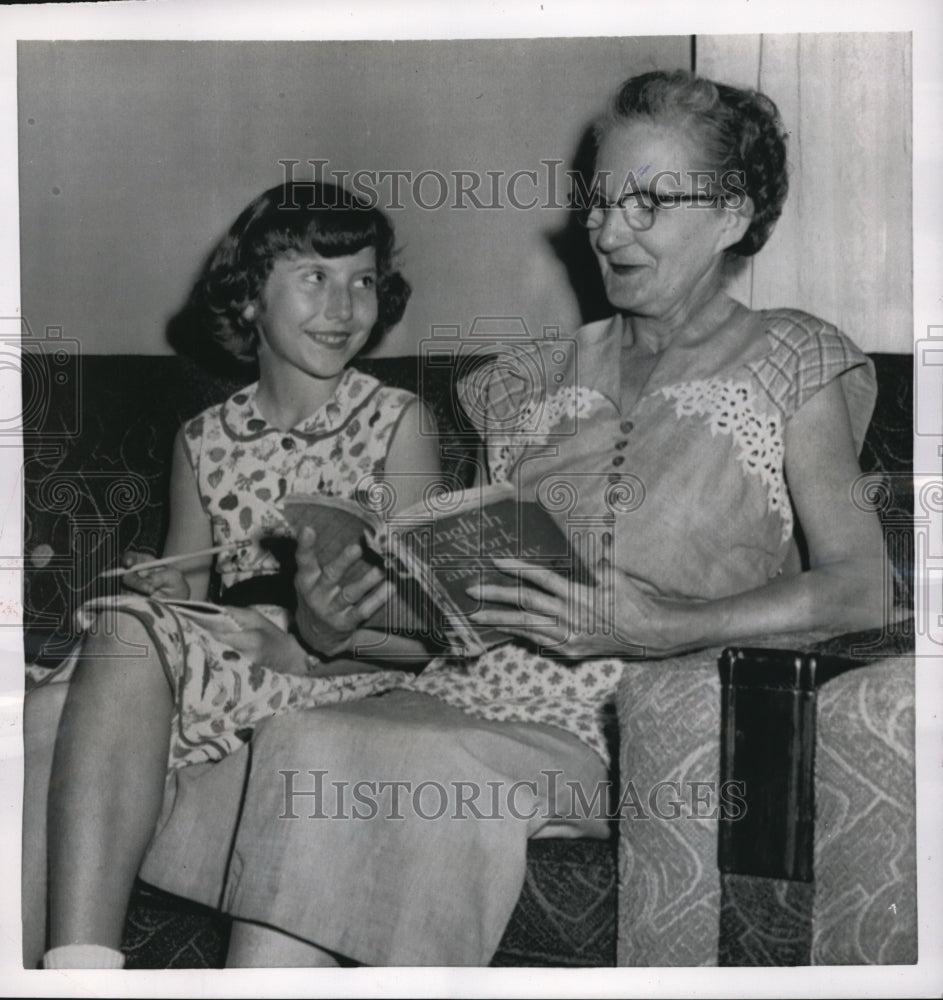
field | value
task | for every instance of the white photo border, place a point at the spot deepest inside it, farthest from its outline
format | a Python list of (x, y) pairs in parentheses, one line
[(219, 20)]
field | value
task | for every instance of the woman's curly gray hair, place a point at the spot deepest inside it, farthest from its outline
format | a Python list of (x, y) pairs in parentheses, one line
[(740, 130)]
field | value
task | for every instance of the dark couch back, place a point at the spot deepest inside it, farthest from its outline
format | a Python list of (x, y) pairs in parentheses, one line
[(97, 448)]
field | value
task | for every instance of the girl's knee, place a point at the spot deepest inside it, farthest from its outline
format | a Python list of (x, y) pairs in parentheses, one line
[(116, 635), (117, 653)]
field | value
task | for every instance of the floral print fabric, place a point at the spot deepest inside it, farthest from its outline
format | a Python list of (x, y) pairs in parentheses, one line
[(689, 484), (244, 466), (219, 694)]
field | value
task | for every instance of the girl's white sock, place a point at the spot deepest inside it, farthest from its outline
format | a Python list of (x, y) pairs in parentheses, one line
[(83, 956)]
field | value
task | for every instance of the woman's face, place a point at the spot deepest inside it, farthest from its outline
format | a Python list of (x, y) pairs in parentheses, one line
[(671, 267)]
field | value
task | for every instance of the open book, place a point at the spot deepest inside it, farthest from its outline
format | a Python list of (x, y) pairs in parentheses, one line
[(435, 551)]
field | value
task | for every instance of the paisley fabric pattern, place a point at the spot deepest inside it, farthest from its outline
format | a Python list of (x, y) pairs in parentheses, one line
[(570, 429), (677, 909)]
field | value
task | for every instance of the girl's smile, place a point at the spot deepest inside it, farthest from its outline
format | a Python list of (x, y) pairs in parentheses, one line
[(333, 341)]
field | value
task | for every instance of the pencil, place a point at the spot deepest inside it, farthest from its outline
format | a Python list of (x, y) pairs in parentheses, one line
[(168, 560)]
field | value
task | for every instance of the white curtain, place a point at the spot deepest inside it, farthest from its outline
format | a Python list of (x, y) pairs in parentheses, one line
[(843, 247)]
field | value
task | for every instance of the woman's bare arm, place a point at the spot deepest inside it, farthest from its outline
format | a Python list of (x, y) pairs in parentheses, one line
[(848, 576), (843, 589)]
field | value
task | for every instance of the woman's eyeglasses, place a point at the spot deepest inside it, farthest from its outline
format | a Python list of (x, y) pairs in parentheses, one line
[(639, 209)]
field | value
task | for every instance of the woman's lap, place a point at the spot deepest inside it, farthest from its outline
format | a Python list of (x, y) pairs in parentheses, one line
[(415, 856), (391, 830)]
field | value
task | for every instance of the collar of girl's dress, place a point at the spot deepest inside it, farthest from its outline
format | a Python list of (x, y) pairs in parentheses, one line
[(241, 417)]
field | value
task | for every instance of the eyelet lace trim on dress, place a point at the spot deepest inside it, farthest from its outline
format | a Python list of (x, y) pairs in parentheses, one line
[(567, 403), (731, 408)]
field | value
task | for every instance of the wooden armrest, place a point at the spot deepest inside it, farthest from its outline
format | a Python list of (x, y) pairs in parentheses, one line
[(768, 718)]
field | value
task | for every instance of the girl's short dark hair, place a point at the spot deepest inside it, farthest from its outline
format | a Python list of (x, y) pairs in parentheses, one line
[(740, 131), (292, 218)]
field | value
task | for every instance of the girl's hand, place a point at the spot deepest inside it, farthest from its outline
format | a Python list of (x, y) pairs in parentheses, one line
[(328, 614), (164, 582), (260, 641), (563, 618)]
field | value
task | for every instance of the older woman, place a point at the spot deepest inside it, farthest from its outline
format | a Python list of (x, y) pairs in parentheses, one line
[(695, 433), (733, 422)]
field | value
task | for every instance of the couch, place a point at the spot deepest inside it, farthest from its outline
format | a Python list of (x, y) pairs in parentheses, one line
[(816, 864), (97, 436)]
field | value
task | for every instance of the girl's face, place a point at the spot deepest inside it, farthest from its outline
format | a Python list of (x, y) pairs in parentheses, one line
[(316, 313)]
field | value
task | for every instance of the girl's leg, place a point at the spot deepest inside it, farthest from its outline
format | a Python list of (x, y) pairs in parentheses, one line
[(254, 946), (107, 784), (41, 713)]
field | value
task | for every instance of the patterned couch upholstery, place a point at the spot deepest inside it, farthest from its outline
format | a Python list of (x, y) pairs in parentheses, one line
[(681, 900), (96, 447), (676, 908)]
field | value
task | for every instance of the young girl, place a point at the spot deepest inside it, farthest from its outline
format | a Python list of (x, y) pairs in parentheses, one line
[(303, 282)]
